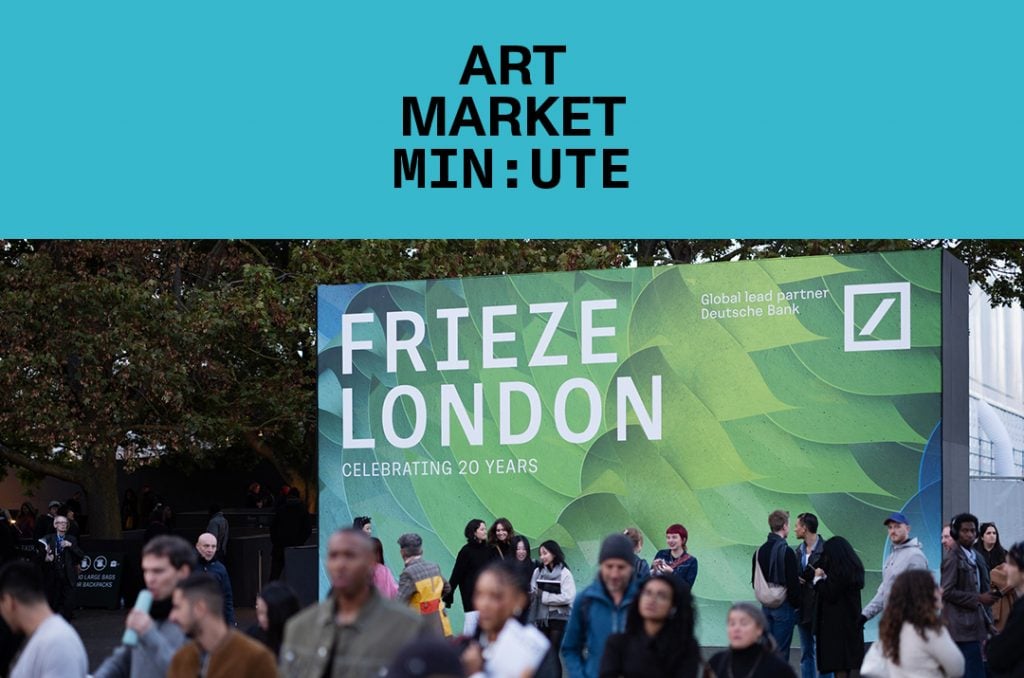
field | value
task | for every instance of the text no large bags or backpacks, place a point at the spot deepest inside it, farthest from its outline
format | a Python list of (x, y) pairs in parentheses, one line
[(768, 594)]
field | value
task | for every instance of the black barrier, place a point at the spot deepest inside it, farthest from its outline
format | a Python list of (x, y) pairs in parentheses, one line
[(99, 579), (300, 564), (31, 550)]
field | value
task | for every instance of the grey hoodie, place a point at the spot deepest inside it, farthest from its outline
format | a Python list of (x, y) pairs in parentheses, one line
[(905, 556)]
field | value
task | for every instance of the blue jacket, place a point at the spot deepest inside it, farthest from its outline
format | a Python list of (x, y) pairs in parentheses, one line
[(687, 572), (220, 573), (594, 617)]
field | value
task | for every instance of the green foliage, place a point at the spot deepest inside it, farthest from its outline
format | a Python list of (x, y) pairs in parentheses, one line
[(194, 347)]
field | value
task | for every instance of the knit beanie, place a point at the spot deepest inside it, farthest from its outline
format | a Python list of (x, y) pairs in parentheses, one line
[(616, 546)]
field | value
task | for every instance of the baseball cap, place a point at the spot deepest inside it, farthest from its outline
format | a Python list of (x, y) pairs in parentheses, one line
[(896, 518)]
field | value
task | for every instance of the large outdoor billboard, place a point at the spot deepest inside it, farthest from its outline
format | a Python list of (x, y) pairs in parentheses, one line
[(577, 404)]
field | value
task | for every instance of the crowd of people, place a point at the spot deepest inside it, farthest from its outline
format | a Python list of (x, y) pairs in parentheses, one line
[(526, 616)]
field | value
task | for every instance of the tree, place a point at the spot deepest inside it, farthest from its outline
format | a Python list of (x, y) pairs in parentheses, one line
[(997, 266), (119, 348), (194, 348)]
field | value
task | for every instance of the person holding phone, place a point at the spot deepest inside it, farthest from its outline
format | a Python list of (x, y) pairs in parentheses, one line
[(676, 559)]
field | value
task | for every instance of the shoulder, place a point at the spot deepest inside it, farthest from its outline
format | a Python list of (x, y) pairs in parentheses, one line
[(308, 619), (593, 591), (718, 660), (772, 665), (57, 630), (394, 612), (170, 631), (244, 644), (185, 659), (616, 642)]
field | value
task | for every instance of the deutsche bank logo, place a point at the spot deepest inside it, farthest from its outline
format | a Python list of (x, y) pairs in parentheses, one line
[(866, 307)]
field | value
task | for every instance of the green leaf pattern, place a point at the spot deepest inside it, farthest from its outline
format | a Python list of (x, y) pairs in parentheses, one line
[(757, 415)]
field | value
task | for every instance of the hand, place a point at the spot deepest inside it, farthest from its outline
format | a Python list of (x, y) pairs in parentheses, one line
[(986, 599), (472, 659), (139, 621), (818, 572)]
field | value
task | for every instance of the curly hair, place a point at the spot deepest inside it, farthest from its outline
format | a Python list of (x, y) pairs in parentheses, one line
[(492, 533), (911, 601)]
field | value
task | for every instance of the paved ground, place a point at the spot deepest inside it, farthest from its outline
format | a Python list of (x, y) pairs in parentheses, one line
[(101, 630)]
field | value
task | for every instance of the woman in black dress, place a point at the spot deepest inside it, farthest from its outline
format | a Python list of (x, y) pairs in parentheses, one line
[(838, 581), (659, 640), (472, 558)]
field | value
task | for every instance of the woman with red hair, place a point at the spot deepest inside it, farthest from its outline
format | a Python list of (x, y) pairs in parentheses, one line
[(675, 559)]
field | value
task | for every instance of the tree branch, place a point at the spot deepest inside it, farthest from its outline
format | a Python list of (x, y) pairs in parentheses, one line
[(42, 467), (255, 250)]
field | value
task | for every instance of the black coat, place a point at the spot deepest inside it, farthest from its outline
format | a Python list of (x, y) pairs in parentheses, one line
[(472, 558), (1006, 650), (808, 597), (631, 655), (754, 661), (840, 637), (67, 565)]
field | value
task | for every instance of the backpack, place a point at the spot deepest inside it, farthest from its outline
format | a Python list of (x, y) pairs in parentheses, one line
[(768, 594)]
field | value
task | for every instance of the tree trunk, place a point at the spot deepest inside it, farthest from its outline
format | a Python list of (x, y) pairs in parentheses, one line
[(104, 505), (306, 483)]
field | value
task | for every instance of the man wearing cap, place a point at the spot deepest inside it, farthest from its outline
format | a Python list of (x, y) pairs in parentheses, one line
[(906, 554), (421, 585), (44, 524), (600, 609)]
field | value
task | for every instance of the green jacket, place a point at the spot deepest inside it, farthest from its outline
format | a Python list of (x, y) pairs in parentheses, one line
[(360, 649)]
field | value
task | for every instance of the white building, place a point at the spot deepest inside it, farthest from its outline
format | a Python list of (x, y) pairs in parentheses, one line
[(997, 415), (997, 388)]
